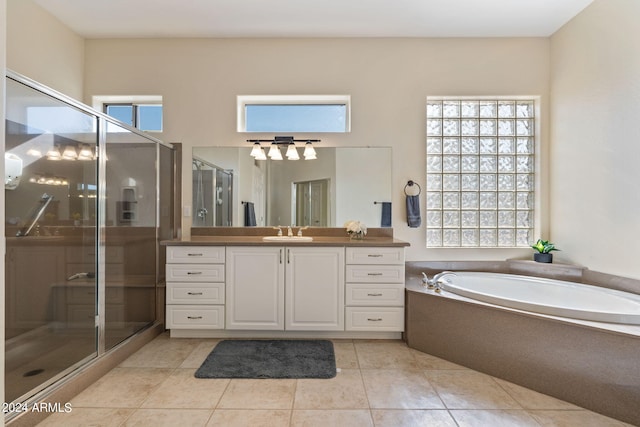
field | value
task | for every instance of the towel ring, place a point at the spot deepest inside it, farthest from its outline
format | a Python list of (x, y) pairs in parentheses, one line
[(411, 184)]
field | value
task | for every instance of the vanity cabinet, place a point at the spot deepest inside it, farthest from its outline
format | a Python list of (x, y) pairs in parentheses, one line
[(374, 289), (285, 288), (255, 288), (195, 287)]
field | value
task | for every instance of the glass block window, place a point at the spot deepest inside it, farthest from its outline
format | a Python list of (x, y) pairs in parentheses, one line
[(480, 188)]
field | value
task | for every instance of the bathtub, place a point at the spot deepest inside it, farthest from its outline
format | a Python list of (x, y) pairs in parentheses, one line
[(531, 331), (547, 296)]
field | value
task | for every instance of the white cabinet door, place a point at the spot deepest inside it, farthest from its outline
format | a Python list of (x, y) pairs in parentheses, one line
[(314, 288), (255, 288)]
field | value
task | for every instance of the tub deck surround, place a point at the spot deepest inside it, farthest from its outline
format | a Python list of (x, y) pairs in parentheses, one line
[(591, 364)]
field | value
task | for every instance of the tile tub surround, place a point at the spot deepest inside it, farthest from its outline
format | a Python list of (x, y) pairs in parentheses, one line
[(381, 383), (593, 368)]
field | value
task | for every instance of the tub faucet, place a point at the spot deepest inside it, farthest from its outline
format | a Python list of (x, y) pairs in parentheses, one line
[(438, 279)]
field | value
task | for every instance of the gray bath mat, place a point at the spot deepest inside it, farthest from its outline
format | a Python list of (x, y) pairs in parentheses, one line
[(270, 359)]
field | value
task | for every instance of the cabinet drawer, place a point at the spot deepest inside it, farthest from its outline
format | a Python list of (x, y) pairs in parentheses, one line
[(388, 294), (374, 319), (195, 273), (375, 273), (188, 293), (195, 254), (375, 255), (195, 317)]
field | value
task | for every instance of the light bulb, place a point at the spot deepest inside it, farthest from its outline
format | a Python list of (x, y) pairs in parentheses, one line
[(69, 153), (256, 150), (261, 155), (54, 154), (309, 152)]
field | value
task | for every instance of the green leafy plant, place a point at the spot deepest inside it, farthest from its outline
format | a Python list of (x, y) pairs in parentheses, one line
[(544, 246)]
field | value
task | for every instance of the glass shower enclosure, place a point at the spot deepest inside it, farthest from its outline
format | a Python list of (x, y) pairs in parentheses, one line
[(85, 209)]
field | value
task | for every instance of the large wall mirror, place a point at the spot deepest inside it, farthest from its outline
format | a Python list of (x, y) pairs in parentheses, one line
[(342, 184)]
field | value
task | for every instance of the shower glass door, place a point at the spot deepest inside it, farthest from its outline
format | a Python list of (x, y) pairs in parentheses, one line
[(51, 229)]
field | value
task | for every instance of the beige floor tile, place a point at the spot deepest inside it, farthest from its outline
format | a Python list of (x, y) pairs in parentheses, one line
[(345, 391), (122, 388), (580, 418), (162, 352), (470, 390), (530, 399), (83, 417), (258, 394), (169, 418), (334, 418), (427, 361), (385, 355), (412, 418), (199, 354), (346, 357), (399, 389), (493, 418), (250, 417), (183, 390)]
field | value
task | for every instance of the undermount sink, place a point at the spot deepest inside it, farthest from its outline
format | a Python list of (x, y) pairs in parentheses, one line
[(287, 238)]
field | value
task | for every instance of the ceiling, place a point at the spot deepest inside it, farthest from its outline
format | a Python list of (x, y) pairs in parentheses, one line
[(313, 18)]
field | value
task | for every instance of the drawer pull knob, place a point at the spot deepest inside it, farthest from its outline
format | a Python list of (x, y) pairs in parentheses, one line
[(374, 274), (374, 295), (374, 255), (375, 320), (194, 293), (194, 317), (191, 273), (194, 254)]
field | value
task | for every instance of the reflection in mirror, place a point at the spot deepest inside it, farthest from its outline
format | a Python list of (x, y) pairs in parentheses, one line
[(342, 184)]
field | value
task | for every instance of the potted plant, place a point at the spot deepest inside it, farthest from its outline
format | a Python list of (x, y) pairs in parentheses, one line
[(544, 248)]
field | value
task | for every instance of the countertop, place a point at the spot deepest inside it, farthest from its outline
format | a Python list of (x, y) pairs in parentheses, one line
[(257, 240)]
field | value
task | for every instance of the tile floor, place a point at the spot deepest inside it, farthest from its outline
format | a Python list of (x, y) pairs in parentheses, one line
[(379, 383)]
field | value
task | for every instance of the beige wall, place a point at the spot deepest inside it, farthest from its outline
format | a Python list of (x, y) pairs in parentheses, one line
[(388, 80), (43, 49), (595, 134)]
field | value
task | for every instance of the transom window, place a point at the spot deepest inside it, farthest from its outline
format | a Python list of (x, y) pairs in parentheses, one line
[(481, 172), (293, 113), (147, 117)]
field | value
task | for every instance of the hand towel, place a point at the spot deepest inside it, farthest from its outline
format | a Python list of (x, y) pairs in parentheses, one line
[(386, 215), (249, 214), (413, 211)]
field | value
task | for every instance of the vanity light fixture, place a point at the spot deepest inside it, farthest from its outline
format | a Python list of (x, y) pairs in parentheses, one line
[(258, 153), (85, 153)]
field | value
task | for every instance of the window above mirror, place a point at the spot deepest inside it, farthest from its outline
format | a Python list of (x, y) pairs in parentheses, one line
[(294, 113)]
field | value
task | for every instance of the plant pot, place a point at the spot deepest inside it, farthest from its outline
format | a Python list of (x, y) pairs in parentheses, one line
[(540, 257)]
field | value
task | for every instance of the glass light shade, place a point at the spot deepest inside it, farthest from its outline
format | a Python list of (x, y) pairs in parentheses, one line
[(54, 154), (309, 152), (85, 153), (292, 153), (274, 152), (261, 155), (69, 153), (256, 150)]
